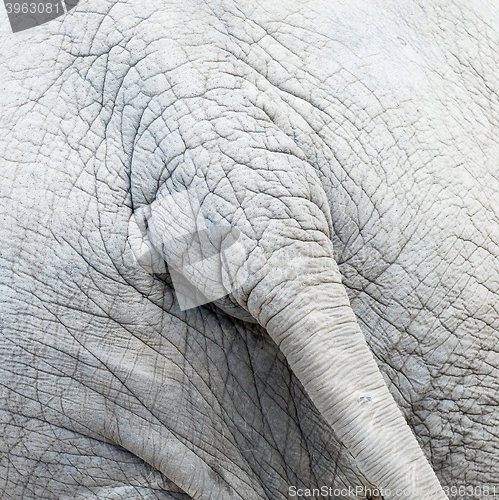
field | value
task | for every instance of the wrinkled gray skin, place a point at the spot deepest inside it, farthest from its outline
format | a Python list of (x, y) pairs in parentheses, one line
[(371, 125)]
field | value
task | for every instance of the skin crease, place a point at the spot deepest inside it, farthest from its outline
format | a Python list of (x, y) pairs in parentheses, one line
[(388, 112)]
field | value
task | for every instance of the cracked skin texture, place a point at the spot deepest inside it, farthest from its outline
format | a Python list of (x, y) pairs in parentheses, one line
[(108, 390)]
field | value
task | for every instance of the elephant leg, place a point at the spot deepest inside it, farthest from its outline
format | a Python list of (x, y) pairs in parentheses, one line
[(45, 461)]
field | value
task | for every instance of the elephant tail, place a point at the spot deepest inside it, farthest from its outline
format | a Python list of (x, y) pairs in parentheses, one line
[(282, 271)]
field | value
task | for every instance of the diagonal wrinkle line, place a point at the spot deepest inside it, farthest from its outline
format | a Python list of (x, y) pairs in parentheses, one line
[(121, 381), (124, 384)]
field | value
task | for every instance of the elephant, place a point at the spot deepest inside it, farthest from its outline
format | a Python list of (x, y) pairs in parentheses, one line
[(344, 155)]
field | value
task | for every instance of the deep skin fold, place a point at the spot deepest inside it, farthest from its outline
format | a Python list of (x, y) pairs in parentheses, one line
[(365, 268)]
